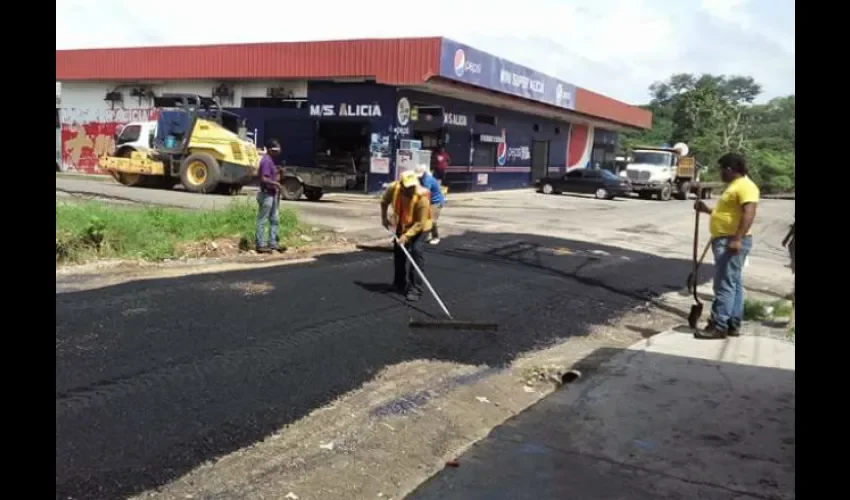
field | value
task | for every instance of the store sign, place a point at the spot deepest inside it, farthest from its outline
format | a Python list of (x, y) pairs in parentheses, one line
[(464, 64), (521, 82), (360, 110), (379, 166), (461, 65), (491, 138), (520, 153), (456, 120)]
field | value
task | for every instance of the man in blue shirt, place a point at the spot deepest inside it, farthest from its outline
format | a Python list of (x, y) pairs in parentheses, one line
[(268, 200), (438, 201)]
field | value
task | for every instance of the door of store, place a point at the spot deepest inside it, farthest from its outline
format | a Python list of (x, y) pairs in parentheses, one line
[(539, 159)]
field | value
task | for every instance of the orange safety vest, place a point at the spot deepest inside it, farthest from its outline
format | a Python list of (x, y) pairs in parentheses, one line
[(405, 214)]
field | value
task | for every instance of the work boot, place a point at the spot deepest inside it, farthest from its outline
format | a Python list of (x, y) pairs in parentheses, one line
[(709, 333), (734, 330)]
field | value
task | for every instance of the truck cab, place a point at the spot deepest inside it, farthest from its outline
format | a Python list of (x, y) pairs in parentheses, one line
[(135, 136), (662, 172)]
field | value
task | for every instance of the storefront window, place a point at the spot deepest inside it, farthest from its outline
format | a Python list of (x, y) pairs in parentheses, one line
[(430, 141), (484, 155), (602, 137)]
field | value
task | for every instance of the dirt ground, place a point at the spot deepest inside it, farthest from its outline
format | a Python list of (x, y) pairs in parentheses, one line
[(382, 438)]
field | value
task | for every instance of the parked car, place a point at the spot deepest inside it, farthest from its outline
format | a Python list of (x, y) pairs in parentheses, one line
[(601, 183)]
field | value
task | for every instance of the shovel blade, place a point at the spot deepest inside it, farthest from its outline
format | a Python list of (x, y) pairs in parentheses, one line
[(694, 316)]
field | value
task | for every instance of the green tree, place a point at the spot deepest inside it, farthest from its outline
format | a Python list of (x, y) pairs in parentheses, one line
[(714, 115)]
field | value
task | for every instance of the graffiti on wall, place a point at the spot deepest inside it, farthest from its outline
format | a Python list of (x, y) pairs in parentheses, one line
[(90, 133)]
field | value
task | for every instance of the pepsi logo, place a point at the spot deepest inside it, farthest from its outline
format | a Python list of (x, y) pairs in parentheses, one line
[(502, 153), (403, 111), (459, 62), (462, 65), (502, 149)]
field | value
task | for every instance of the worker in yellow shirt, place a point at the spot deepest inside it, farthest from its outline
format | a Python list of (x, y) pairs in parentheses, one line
[(731, 225), (411, 205)]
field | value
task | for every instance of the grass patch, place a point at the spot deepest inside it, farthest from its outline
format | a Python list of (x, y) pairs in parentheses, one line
[(96, 230), (782, 309), (757, 310)]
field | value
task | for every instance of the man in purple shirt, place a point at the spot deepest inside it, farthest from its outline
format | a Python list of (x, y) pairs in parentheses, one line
[(267, 199)]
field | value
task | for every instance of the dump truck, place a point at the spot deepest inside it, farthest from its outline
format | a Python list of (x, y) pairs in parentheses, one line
[(665, 173), (193, 142)]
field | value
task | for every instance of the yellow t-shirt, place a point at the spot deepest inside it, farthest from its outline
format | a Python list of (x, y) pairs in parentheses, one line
[(727, 214)]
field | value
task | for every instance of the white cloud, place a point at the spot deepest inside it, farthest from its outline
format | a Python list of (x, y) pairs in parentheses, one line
[(733, 11), (616, 47)]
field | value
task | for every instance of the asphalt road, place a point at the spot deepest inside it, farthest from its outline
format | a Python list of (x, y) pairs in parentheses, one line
[(157, 377), (330, 211), (154, 378)]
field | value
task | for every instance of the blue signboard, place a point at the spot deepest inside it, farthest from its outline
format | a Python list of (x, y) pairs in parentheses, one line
[(467, 65)]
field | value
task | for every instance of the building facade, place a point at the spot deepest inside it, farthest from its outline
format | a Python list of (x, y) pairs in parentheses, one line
[(502, 124)]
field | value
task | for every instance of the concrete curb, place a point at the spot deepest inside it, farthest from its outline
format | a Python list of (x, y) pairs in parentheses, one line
[(84, 177), (643, 346), (688, 415)]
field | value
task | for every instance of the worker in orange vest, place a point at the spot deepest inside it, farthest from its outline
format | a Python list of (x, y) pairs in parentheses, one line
[(412, 219)]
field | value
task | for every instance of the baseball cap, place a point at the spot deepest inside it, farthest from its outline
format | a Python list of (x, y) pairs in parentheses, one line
[(409, 179)]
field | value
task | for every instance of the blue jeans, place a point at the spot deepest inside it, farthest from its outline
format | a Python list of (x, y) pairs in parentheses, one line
[(267, 212), (727, 310)]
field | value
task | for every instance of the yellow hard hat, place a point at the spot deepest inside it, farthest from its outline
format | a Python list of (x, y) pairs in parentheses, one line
[(409, 178)]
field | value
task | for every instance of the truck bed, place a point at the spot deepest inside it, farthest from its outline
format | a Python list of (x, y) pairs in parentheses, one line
[(706, 185), (321, 178)]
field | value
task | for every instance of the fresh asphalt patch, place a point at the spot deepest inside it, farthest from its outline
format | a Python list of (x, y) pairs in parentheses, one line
[(154, 378)]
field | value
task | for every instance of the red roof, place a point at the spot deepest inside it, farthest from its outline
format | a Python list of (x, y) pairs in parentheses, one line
[(393, 62), (405, 61)]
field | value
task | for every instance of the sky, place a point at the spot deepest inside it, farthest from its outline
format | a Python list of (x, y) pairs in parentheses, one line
[(614, 47)]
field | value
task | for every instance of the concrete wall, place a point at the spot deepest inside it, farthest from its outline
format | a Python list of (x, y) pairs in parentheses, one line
[(295, 128), (519, 132), (89, 123)]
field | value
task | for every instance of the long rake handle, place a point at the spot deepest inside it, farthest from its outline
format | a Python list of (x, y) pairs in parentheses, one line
[(422, 275)]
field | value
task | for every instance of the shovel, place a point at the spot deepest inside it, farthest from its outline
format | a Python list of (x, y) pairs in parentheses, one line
[(696, 309), (692, 282)]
